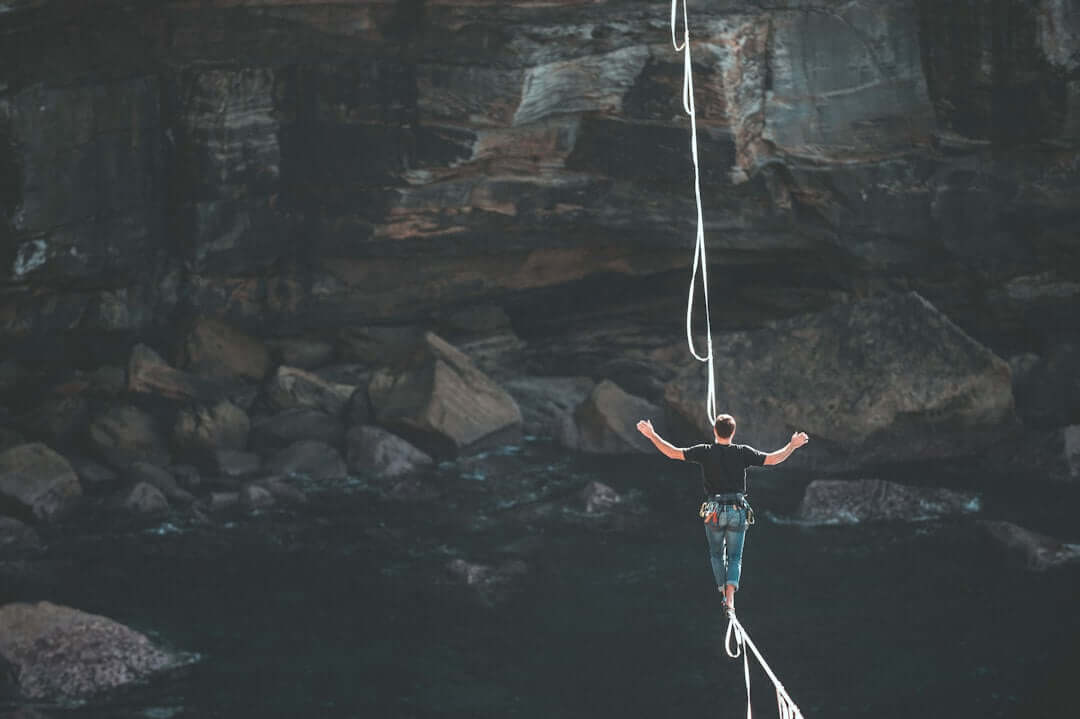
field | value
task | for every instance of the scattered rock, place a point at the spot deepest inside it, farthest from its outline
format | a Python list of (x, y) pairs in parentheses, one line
[(606, 422), (146, 473), (490, 584), (292, 425), (301, 352), (1071, 436), (252, 496), (123, 434), (17, 539), (440, 401), (866, 380), (146, 499), (378, 346), (546, 402), (187, 476), (64, 654), (201, 429), (235, 465), (92, 476), (1035, 551), (372, 450), (147, 372), (58, 418), (39, 480), (213, 348), (220, 501), (829, 501), (295, 388), (282, 489), (599, 497), (309, 458)]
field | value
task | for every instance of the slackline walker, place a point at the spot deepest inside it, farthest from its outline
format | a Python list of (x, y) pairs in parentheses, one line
[(742, 643)]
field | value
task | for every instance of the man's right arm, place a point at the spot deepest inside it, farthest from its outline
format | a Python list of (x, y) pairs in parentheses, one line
[(666, 448)]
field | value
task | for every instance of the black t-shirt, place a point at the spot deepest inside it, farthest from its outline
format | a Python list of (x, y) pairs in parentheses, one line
[(723, 466)]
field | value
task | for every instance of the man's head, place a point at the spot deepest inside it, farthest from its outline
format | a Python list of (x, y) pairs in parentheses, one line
[(724, 427)]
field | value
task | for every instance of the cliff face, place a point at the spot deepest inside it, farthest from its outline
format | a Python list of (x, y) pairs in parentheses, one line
[(302, 165)]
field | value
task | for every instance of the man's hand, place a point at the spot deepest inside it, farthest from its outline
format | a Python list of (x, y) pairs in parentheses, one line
[(646, 428), (799, 439)]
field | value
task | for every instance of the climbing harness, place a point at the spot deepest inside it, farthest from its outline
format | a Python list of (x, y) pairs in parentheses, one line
[(735, 630), (710, 509), (699, 243)]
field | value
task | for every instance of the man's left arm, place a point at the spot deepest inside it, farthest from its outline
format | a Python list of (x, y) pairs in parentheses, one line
[(797, 440)]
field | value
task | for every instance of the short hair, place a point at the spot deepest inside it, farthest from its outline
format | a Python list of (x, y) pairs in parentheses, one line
[(724, 426)]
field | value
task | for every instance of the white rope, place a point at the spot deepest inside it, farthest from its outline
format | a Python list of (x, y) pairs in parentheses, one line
[(784, 703), (699, 245)]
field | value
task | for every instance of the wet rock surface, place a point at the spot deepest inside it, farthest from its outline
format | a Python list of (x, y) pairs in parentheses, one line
[(867, 381), (1029, 549), (440, 400), (606, 422), (63, 653), (875, 500), (378, 452), (38, 481)]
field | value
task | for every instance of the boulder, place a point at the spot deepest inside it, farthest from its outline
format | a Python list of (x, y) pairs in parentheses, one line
[(378, 346), (311, 459), (38, 480), (546, 402), (148, 373), (212, 348), (187, 476), (305, 353), (124, 433), (234, 465), (221, 501), (439, 400), (1071, 441), (145, 499), (162, 479), (490, 584), (200, 430), (292, 425), (253, 496), (599, 497), (292, 388), (374, 451), (868, 381), (282, 489), (92, 475), (829, 501), (17, 540), (606, 422), (64, 654), (58, 418), (1030, 549)]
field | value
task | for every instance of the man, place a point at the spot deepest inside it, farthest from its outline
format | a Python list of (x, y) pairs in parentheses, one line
[(723, 474)]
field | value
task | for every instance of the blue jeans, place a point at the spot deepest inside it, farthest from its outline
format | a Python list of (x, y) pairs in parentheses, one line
[(726, 539)]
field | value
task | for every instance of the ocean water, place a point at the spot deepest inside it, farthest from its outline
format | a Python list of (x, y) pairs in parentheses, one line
[(345, 608)]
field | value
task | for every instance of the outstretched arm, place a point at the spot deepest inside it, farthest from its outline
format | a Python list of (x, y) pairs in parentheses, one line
[(665, 447), (797, 440)]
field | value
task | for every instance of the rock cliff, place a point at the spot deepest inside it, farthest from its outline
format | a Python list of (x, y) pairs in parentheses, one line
[(298, 167)]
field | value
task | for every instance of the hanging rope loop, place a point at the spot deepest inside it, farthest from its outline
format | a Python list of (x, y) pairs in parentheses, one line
[(700, 264)]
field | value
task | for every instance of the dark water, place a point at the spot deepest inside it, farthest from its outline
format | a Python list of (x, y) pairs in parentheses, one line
[(343, 608)]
